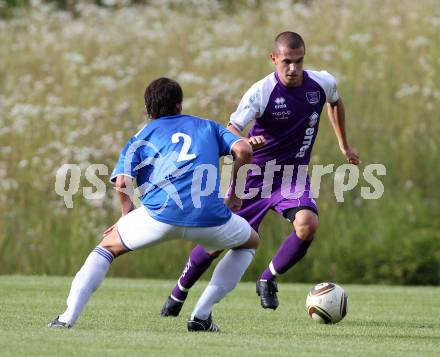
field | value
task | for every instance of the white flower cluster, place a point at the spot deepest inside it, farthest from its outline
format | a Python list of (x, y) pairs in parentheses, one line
[(72, 83)]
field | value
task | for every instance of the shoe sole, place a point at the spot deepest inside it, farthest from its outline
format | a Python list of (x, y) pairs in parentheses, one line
[(162, 314), (216, 329)]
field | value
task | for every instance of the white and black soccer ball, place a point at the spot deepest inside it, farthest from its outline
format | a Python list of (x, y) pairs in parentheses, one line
[(327, 303)]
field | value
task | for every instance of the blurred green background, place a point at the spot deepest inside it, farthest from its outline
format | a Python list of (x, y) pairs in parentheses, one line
[(72, 78)]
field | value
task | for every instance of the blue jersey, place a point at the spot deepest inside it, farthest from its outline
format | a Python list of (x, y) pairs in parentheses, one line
[(175, 163)]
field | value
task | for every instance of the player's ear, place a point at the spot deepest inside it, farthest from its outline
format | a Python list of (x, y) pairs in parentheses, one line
[(179, 107), (272, 57)]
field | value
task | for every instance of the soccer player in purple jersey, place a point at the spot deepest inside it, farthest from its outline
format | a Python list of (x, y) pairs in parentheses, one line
[(285, 109)]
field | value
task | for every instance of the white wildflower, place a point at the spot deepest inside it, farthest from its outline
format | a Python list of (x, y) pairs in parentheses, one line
[(361, 38), (419, 41), (394, 21), (74, 57), (433, 20), (107, 82), (407, 90)]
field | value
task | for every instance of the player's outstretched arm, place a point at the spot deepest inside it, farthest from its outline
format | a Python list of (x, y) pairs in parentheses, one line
[(255, 141), (242, 152), (336, 114)]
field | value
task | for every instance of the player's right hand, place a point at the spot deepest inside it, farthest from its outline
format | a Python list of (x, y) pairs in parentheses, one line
[(233, 202), (257, 141), (351, 156)]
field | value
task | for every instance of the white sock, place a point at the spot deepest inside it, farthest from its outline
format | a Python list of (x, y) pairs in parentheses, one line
[(226, 276), (86, 281)]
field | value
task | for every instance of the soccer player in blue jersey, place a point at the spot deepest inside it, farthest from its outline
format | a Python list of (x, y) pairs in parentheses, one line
[(285, 109), (174, 160)]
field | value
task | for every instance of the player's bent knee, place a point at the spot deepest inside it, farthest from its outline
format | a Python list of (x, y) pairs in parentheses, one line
[(305, 224), (215, 254), (306, 231), (253, 241), (112, 242), (256, 238)]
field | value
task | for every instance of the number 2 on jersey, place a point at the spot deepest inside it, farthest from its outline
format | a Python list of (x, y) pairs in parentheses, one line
[(183, 155)]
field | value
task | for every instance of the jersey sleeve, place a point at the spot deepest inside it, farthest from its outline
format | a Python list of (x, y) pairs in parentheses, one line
[(248, 109), (227, 139), (331, 91), (254, 102), (327, 83), (129, 158)]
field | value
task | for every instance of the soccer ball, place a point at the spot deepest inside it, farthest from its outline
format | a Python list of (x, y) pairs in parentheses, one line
[(327, 303)]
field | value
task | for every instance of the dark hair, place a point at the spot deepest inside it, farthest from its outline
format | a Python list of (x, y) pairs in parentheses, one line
[(289, 39), (161, 98)]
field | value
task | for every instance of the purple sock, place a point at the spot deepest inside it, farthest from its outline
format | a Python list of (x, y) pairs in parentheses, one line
[(290, 253), (198, 262)]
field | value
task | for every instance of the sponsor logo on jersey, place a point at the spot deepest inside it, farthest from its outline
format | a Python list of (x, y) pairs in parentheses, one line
[(313, 97), (308, 136), (280, 103), (282, 115), (313, 119)]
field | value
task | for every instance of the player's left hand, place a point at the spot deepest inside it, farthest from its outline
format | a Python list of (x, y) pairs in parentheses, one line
[(233, 202), (257, 141), (351, 155)]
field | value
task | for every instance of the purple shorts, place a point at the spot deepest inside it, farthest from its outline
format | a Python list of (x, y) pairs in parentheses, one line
[(254, 209)]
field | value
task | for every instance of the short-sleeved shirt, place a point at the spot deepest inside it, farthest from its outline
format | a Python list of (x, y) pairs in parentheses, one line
[(175, 163), (288, 117)]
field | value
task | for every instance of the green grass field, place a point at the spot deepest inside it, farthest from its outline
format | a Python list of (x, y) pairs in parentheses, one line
[(123, 319)]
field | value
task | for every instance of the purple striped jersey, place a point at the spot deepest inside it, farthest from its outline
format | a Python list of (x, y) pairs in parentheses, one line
[(288, 117)]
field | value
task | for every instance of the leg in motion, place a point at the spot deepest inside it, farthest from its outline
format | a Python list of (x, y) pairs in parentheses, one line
[(291, 251), (88, 278), (225, 278), (198, 262)]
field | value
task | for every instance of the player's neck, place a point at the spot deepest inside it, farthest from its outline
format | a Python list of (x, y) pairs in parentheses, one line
[(291, 85)]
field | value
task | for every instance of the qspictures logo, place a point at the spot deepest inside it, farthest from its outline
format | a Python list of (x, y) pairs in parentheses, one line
[(161, 172)]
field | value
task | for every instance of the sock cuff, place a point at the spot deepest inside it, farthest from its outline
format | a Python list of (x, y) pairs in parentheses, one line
[(181, 287), (294, 236), (176, 299), (104, 253), (272, 269)]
